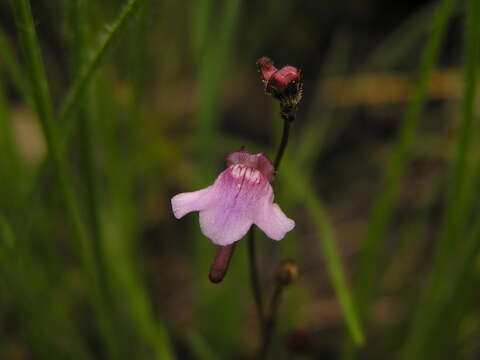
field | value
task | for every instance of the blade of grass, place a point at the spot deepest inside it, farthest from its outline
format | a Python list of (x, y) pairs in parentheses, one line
[(80, 84), (11, 166), (212, 67), (13, 68), (457, 206), (92, 65), (122, 224), (44, 324), (200, 25), (402, 40), (305, 193), (199, 347), (320, 114), (80, 29), (43, 104), (384, 206), (214, 57)]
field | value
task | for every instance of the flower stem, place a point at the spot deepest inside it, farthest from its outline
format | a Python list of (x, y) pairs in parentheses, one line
[(254, 279), (269, 321), (284, 142)]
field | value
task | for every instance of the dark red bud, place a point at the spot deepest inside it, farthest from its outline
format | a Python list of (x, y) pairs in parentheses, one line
[(265, 66), (219, 268), (284, 85)]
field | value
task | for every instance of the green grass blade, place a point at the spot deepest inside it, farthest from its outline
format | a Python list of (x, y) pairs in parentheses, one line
[(82, 81), (199, 347), (217, 44), (94, 62), (43, 104), (384, 205), (13, 68), (457, 199), (80, 29), (213, 65), (457, 206), (401, 41), (332, 258), (10, 162), (319, 116), (200, 25)]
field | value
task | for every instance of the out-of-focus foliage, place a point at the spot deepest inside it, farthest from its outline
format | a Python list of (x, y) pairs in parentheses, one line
[(109, 108)]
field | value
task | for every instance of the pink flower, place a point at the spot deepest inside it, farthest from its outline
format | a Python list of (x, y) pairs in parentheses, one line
[(241, 196)]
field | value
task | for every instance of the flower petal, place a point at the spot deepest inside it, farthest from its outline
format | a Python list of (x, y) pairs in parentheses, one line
[(185, 203), (271, 219), (237, 193), (241, 196), (224, 225)]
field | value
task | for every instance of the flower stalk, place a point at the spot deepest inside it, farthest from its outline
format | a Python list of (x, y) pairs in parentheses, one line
[(254, 278), (283, 143), (284, 85), (287, 273)]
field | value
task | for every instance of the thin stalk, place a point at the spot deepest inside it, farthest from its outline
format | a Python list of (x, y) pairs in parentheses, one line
[(254, 278), (283, 144), (265, 322), (270, 320), (43, 104)]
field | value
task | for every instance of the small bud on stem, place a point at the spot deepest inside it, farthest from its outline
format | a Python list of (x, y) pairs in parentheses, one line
[(219, 268), (287, 272), (284, 85)]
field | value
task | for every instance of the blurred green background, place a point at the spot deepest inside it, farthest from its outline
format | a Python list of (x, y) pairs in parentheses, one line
[(109, 108)]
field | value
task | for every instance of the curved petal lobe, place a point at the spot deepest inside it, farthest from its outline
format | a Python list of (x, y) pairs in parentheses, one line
[(273, 222), (185, 203)]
